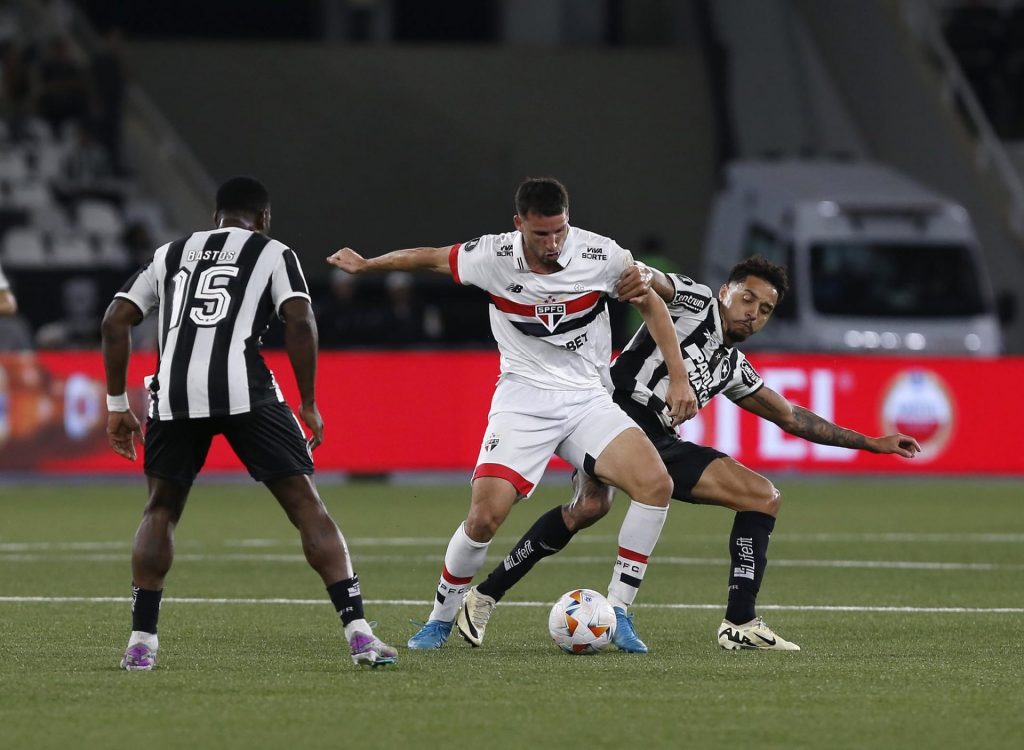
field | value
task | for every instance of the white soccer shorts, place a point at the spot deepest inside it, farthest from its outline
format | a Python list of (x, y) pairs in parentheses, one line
[(527, 425)]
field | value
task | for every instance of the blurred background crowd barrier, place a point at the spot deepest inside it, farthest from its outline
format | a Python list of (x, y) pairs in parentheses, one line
[(382, 124)]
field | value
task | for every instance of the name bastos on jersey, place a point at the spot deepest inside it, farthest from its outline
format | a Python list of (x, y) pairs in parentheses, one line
[(712, 366), (215, 293), (552, 329)]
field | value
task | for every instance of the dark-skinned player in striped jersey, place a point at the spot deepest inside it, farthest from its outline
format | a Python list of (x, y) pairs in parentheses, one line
[(215, 293), (709, 327)]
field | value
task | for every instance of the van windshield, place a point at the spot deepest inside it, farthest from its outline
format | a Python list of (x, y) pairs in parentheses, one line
[(895, 280)]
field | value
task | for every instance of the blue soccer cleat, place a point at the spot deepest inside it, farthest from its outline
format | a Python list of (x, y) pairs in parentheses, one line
[(433, 634), (625, 637)]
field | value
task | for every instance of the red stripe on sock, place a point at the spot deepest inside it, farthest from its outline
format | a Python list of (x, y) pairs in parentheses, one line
[(454, 580), (634, 556)]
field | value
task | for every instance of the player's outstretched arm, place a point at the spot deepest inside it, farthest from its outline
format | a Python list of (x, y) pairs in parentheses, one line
[(411, 259), (804, 423), (122, 425), (681, 400), (300, 340)]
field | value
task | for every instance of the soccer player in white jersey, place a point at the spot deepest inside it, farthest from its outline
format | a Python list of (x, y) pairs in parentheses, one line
[(709, 327), (548, 283), (215, 293)]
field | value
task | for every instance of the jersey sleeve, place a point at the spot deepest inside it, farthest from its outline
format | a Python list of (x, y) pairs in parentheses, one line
[(143, 288), (687, 295), (287, 280), (744, 380), (619, 259), (471, 260)]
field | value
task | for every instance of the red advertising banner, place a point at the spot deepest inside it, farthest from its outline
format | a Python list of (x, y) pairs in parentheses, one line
[(417, 411)]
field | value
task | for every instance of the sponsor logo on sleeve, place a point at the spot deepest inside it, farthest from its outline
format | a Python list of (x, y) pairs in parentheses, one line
[(749, 374), (469, 246), (689, 301), (504, 251), (594, 253), (684, 280)]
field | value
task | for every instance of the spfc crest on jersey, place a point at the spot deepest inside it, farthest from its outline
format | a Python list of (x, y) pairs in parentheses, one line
[(550, 315)]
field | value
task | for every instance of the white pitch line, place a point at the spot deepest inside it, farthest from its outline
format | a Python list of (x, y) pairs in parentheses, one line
[(823, 537), (533, 604), (567, 559)]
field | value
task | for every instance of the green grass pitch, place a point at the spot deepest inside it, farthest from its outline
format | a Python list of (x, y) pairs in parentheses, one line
[(906, 596)]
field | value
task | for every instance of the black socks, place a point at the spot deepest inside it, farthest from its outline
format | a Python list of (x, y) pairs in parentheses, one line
[(145, 609), (748, 552), (548, 535), (347, 599)]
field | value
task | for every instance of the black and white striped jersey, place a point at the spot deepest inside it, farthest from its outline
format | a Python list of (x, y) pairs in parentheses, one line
[(713, 367), (215, 292)]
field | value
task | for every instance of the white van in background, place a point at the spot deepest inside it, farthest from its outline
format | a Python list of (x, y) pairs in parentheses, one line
[(877, 262)]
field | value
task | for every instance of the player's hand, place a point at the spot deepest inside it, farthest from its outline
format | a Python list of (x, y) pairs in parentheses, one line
[(634, 283), (898, 443), (348, 260), (681, 401), (312, 419), (122, 429)]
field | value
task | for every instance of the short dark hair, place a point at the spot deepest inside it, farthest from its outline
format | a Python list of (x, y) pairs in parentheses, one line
[(543, 195), (762, 268), (244, 195)]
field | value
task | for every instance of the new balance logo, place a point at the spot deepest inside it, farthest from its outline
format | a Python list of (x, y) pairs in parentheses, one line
[(514, 288)]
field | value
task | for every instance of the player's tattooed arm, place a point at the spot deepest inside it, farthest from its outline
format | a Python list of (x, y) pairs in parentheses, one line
[(804, 423)]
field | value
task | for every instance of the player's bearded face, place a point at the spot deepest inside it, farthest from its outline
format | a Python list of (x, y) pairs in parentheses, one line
[(746, 306), (543, 236)]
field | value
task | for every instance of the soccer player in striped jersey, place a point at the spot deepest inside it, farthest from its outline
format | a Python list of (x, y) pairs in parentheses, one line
[(548, 283), (215, 293), (709, 327)]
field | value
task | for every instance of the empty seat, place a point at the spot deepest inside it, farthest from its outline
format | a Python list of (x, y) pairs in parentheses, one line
[(72, 251), (23, 248), (100, 218)]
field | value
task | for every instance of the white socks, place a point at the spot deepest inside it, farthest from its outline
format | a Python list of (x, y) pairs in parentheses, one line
[(639, 533), (462, 560), (149, 639)]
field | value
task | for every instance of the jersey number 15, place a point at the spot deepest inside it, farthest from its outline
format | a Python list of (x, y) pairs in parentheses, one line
[(210, 300)]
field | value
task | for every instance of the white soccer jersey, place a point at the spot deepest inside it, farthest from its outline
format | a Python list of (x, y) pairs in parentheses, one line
[(3, 280), (215, 292), (712, 366), (552, 329)]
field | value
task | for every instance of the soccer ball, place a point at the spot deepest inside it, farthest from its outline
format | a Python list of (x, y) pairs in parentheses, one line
[(582, 622)]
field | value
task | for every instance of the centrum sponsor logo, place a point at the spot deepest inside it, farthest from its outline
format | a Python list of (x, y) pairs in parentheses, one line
[(919, 403)]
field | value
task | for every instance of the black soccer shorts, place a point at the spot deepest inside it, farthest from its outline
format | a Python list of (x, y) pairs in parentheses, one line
[(684, 460), (268, 440)]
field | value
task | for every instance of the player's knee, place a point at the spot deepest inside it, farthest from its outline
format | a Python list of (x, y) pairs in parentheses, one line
[(481, 525), (655, 488), (767, 500), (589, 506)]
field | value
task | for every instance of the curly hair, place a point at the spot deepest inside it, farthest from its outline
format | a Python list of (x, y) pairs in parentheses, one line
[(762, 268)]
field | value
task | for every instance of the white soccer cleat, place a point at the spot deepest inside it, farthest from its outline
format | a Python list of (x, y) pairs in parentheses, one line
[(753, 635), (473, 616)]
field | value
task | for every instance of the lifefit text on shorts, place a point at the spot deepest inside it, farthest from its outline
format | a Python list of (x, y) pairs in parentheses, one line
[(518, 555), (745, 545)]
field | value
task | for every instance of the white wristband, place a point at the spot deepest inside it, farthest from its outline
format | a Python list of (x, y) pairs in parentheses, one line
[(118, 403)]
